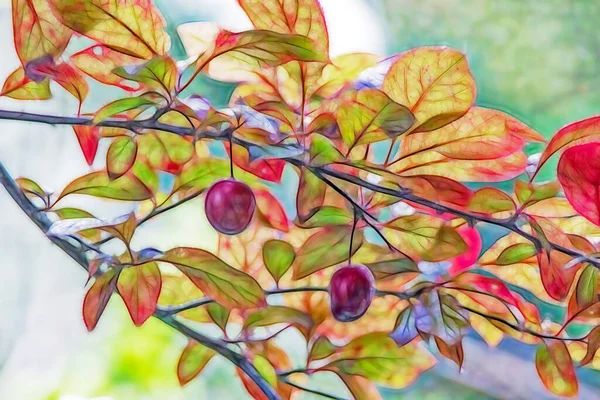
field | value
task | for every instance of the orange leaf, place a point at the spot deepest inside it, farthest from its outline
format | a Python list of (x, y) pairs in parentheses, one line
[(270, 208), (434, 83), (99, 62), (555, 368), (267, 169), (97, 298), (139, 286), (37, 31)]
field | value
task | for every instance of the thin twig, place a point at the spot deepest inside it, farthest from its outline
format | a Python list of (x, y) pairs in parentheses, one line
[(77, 254), (308, 390)]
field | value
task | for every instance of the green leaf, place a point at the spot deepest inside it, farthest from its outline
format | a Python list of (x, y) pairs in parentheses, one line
[(516, 253), (221, 282), (323, 151), (123, 230), (160, 73), (425, 236), (202, 173), (392, 268), (371, 116), (555, 368), (75, 213), (164, 150), (321, 348), (140, 102), (328, 216), (97, 298), (146, 175), (530, 193), (264, 367), (120, 156), (18, 86), (329, 246), (491, 200), (192, 361), (139, 286), (585, 291), (278, 257), (218, 314), (377, 357), (29, 187), (278, 315), (98, 184)]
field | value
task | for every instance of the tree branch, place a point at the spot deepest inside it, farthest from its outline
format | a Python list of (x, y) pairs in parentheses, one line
[(78, 254)]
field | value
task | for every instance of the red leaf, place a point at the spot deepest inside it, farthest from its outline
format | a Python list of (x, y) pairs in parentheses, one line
[(470, 257), (556, 280), (99, 62), (67, 77), (97, 298), (578, 132), (270, 208), (269, 170), (579, 175), (139, 287), (88, 138)]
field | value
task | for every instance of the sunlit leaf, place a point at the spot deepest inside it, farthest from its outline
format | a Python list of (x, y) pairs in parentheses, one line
[(424, 236), (371, 116), (270, 209), (268, 169), (160, 73), (75, 213), (37, 31), (219, 314), (434, 83), (97, 298), (311, 195), (321, 348), (327, 247), (228, 286), (192, 361), (323, 151), (202, 173), (139, 286), (30, 188), (119, 106), (490, 201), (278, 257), (18, 86), (328, 216), (530, 193), (88, 137), (99, 62), (516, 253), (120, 156), (303, 17), (98, 184), (178, 289), (579, 175), (124, 228), (342, 71), (378, 358), (587, 130), (585, 291), (278, 315), (164, 150), (555, 368), (67, 77), (134, 28)]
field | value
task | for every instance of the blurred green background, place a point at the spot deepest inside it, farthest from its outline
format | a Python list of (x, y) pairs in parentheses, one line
[(534, 59)]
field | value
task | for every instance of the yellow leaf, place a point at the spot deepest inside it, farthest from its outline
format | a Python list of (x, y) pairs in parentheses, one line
[(435, 83)]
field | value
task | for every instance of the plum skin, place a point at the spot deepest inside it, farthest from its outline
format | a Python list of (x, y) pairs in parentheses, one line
[(229, 206), (351, 291)]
